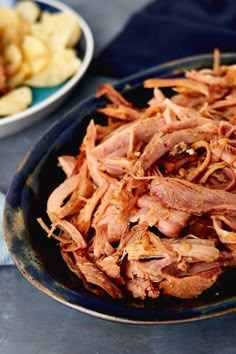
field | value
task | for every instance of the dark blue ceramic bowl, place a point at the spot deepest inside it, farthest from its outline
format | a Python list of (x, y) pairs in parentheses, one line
[(38, 258)]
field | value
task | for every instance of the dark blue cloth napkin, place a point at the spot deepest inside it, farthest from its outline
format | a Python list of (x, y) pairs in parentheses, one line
[(169, 29)]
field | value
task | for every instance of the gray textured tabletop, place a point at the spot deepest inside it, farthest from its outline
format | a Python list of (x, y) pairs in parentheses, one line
[(33, 323)]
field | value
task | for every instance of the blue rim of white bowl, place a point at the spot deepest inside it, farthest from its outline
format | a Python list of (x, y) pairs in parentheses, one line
[(72, 81)]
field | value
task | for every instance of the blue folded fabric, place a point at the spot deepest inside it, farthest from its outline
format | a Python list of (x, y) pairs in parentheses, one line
[(166, 30)]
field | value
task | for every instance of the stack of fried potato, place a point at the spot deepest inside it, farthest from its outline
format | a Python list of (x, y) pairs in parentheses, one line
[(37, 50)]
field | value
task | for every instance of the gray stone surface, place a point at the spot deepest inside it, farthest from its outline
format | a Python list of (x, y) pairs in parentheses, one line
[(33, 323)]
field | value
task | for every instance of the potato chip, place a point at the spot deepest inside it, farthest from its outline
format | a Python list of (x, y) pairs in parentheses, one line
[(36, 48), (19, 77), (15, 101), (12, 27), (3, 84), (28, 10), (35, 53), (8, 16), (13, 56), (57, 30), (62, 65)]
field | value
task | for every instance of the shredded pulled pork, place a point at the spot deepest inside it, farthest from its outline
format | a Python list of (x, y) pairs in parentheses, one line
[(148, 207)]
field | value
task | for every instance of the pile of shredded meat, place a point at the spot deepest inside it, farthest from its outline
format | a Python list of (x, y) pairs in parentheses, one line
[(148, 206)]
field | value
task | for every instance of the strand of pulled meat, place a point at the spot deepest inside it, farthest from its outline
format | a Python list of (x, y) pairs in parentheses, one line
[(148, 207)]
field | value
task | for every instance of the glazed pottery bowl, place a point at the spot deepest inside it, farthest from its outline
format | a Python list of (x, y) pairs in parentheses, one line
[(38, 258)]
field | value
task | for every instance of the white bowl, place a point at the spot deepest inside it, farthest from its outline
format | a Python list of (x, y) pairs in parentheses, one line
[(48, 99)]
